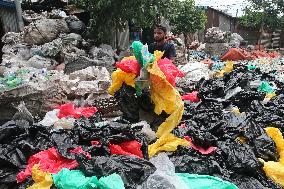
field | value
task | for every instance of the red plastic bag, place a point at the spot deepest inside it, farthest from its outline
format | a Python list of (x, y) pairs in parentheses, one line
[(70, 110), (170, 70), (130, 148), (79, 150), (95, 143), (200, 149), (129, 66), (49, 161), (192, 97)]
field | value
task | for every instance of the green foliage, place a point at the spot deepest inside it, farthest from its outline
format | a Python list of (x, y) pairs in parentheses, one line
[(108, 15), (186, 18), (251, 19), (268, 13)]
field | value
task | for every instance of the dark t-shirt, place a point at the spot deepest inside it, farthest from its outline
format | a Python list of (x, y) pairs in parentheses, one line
[(168, 49)]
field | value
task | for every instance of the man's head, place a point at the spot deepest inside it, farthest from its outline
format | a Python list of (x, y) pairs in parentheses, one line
[(160, 33)]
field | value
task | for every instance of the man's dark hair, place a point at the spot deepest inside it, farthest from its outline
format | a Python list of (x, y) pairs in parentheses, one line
[(163, 28)]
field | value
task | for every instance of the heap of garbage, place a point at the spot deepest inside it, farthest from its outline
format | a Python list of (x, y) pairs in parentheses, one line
[(215, 122), (52, 39), (50, 63)]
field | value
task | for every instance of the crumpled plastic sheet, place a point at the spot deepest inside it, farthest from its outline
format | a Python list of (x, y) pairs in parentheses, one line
[(167, 142), (17, 144), (142, 54), (43, 180), (241, 54), (164, 177), (118, 78), (170, 70), (194, 181), (129, 65), (110, 133), (128, 103), (166, 98), (192, 97), (227, 69), (132, 170), (194, 71), (48, 161), (69, 109), (240, 167), (275, 170), (50, 118), (199, 149), (75, 179), (131, 148)]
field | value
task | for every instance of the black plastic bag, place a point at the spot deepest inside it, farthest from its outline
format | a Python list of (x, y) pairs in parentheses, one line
[(133, 171), (128, 103)]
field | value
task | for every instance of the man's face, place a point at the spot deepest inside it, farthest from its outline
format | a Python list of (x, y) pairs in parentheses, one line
[(159, 35)]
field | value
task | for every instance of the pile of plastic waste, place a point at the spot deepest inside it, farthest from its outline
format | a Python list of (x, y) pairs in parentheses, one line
[(53, 40), (51, 63), (221, 128)]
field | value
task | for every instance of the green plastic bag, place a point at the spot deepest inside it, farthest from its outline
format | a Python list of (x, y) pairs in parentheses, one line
[(137, 47), (75, 179), (265, 87), (15, 82), (251, 67), (142, 54), (147, 57), (205, 181), (112, 181)]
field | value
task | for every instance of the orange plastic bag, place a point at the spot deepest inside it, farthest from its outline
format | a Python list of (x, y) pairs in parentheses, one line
[(235, 54)]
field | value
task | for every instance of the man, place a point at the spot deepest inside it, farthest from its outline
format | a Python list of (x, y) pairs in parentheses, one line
[(161, 44)]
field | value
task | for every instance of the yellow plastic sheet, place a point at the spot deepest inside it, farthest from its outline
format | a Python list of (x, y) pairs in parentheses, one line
[(270, 96), (163, 94), (275, 170), (167, 142), (43, 180), (227, 69), (129, 58), (118, 78), (158, 55), (166, 98)]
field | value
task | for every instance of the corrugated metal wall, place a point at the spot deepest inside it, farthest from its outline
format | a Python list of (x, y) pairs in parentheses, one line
[(9, 20)]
